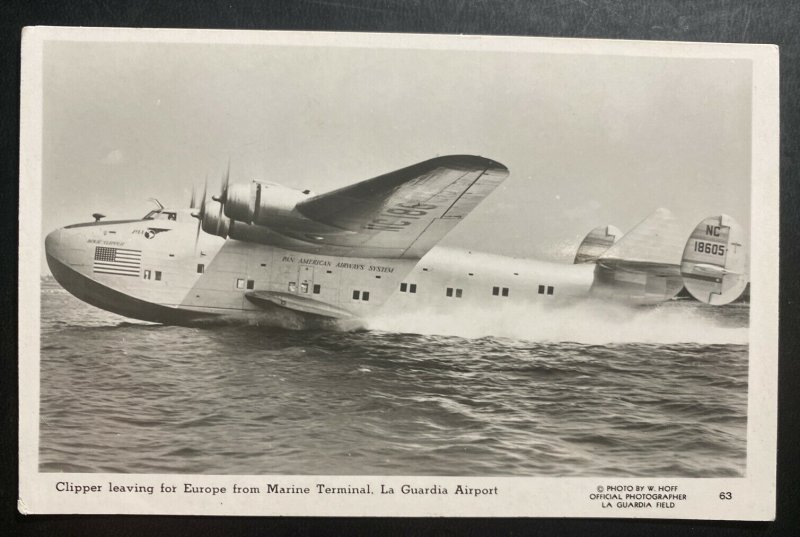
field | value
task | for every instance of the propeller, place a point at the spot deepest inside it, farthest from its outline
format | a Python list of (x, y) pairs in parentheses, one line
[(223, 194), (192, 202), (201, 213), (221, 198)]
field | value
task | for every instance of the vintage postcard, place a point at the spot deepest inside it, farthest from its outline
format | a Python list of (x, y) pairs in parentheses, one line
[(295, 273)]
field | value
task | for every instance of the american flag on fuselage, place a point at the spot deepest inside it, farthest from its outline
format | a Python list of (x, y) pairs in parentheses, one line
[(119, 261)]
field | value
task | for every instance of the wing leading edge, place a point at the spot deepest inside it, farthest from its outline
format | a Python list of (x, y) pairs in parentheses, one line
[(403, 213)]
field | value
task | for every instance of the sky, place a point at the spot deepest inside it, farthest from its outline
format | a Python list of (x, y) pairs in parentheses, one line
[(589, 139)]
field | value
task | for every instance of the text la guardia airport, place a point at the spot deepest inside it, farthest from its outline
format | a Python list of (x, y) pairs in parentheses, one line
[(273, 488)]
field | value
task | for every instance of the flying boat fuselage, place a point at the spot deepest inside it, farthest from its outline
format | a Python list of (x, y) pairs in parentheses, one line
[(151, 270)]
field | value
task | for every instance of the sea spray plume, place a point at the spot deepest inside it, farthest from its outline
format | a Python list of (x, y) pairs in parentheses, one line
[(590, 322)]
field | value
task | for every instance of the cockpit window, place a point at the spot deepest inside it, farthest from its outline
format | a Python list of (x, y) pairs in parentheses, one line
[(160, 215)]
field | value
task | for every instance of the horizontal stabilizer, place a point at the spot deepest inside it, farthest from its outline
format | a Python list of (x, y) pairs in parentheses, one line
[(714, 261), (296, 303), (596, 243), (658, 240), (642, 267)]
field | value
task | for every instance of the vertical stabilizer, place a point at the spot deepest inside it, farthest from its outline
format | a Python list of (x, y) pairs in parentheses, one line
[(596, 243), (714, 261)]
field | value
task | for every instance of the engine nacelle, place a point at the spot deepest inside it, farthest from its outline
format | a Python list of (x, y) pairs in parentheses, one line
[(262, 203), (214, 221), (241, 201)]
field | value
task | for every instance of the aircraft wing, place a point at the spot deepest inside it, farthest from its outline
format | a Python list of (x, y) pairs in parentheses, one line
[(404, 213)]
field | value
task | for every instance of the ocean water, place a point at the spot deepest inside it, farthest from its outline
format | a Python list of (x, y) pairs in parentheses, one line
[(576, 391)]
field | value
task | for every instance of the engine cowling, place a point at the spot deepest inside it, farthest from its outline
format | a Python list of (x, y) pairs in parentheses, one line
[(262, 203), (214, 221), (240, 202)]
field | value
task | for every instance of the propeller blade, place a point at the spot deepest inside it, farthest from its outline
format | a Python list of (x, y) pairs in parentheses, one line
[(220, 217), (197, 233), (224, 193), (202, 213), (192, 201), (203, 199)]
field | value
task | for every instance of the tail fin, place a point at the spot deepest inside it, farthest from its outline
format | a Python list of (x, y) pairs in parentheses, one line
[(642, 267), (714, 261), (595, 243)]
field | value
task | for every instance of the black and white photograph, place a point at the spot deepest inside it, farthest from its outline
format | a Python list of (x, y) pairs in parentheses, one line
[(442, 266)]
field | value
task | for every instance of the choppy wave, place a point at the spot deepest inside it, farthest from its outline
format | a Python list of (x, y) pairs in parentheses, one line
[(565, 392)]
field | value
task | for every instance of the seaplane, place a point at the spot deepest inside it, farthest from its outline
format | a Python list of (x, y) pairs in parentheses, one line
[(259, 252)]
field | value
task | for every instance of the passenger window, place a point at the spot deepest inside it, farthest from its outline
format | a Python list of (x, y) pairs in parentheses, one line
[(292, 287), (550, 289), (304, 287), (505, 291), (146, 274), (317, 288), (365, 296), (541, 289), (201, 268), (495, 291), (251, 284), (458, 293), (403, 287), (412, 288), (158, 275), (356, 295), (449, 291), (240, 283)]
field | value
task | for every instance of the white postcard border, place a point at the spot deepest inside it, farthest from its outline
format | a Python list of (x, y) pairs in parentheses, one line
[(752, 496)]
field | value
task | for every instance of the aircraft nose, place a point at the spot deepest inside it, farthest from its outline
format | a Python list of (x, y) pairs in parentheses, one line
[(52, 243)]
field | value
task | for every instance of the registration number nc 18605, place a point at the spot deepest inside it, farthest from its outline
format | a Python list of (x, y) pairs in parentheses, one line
[(712, 248), (399, 216)]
